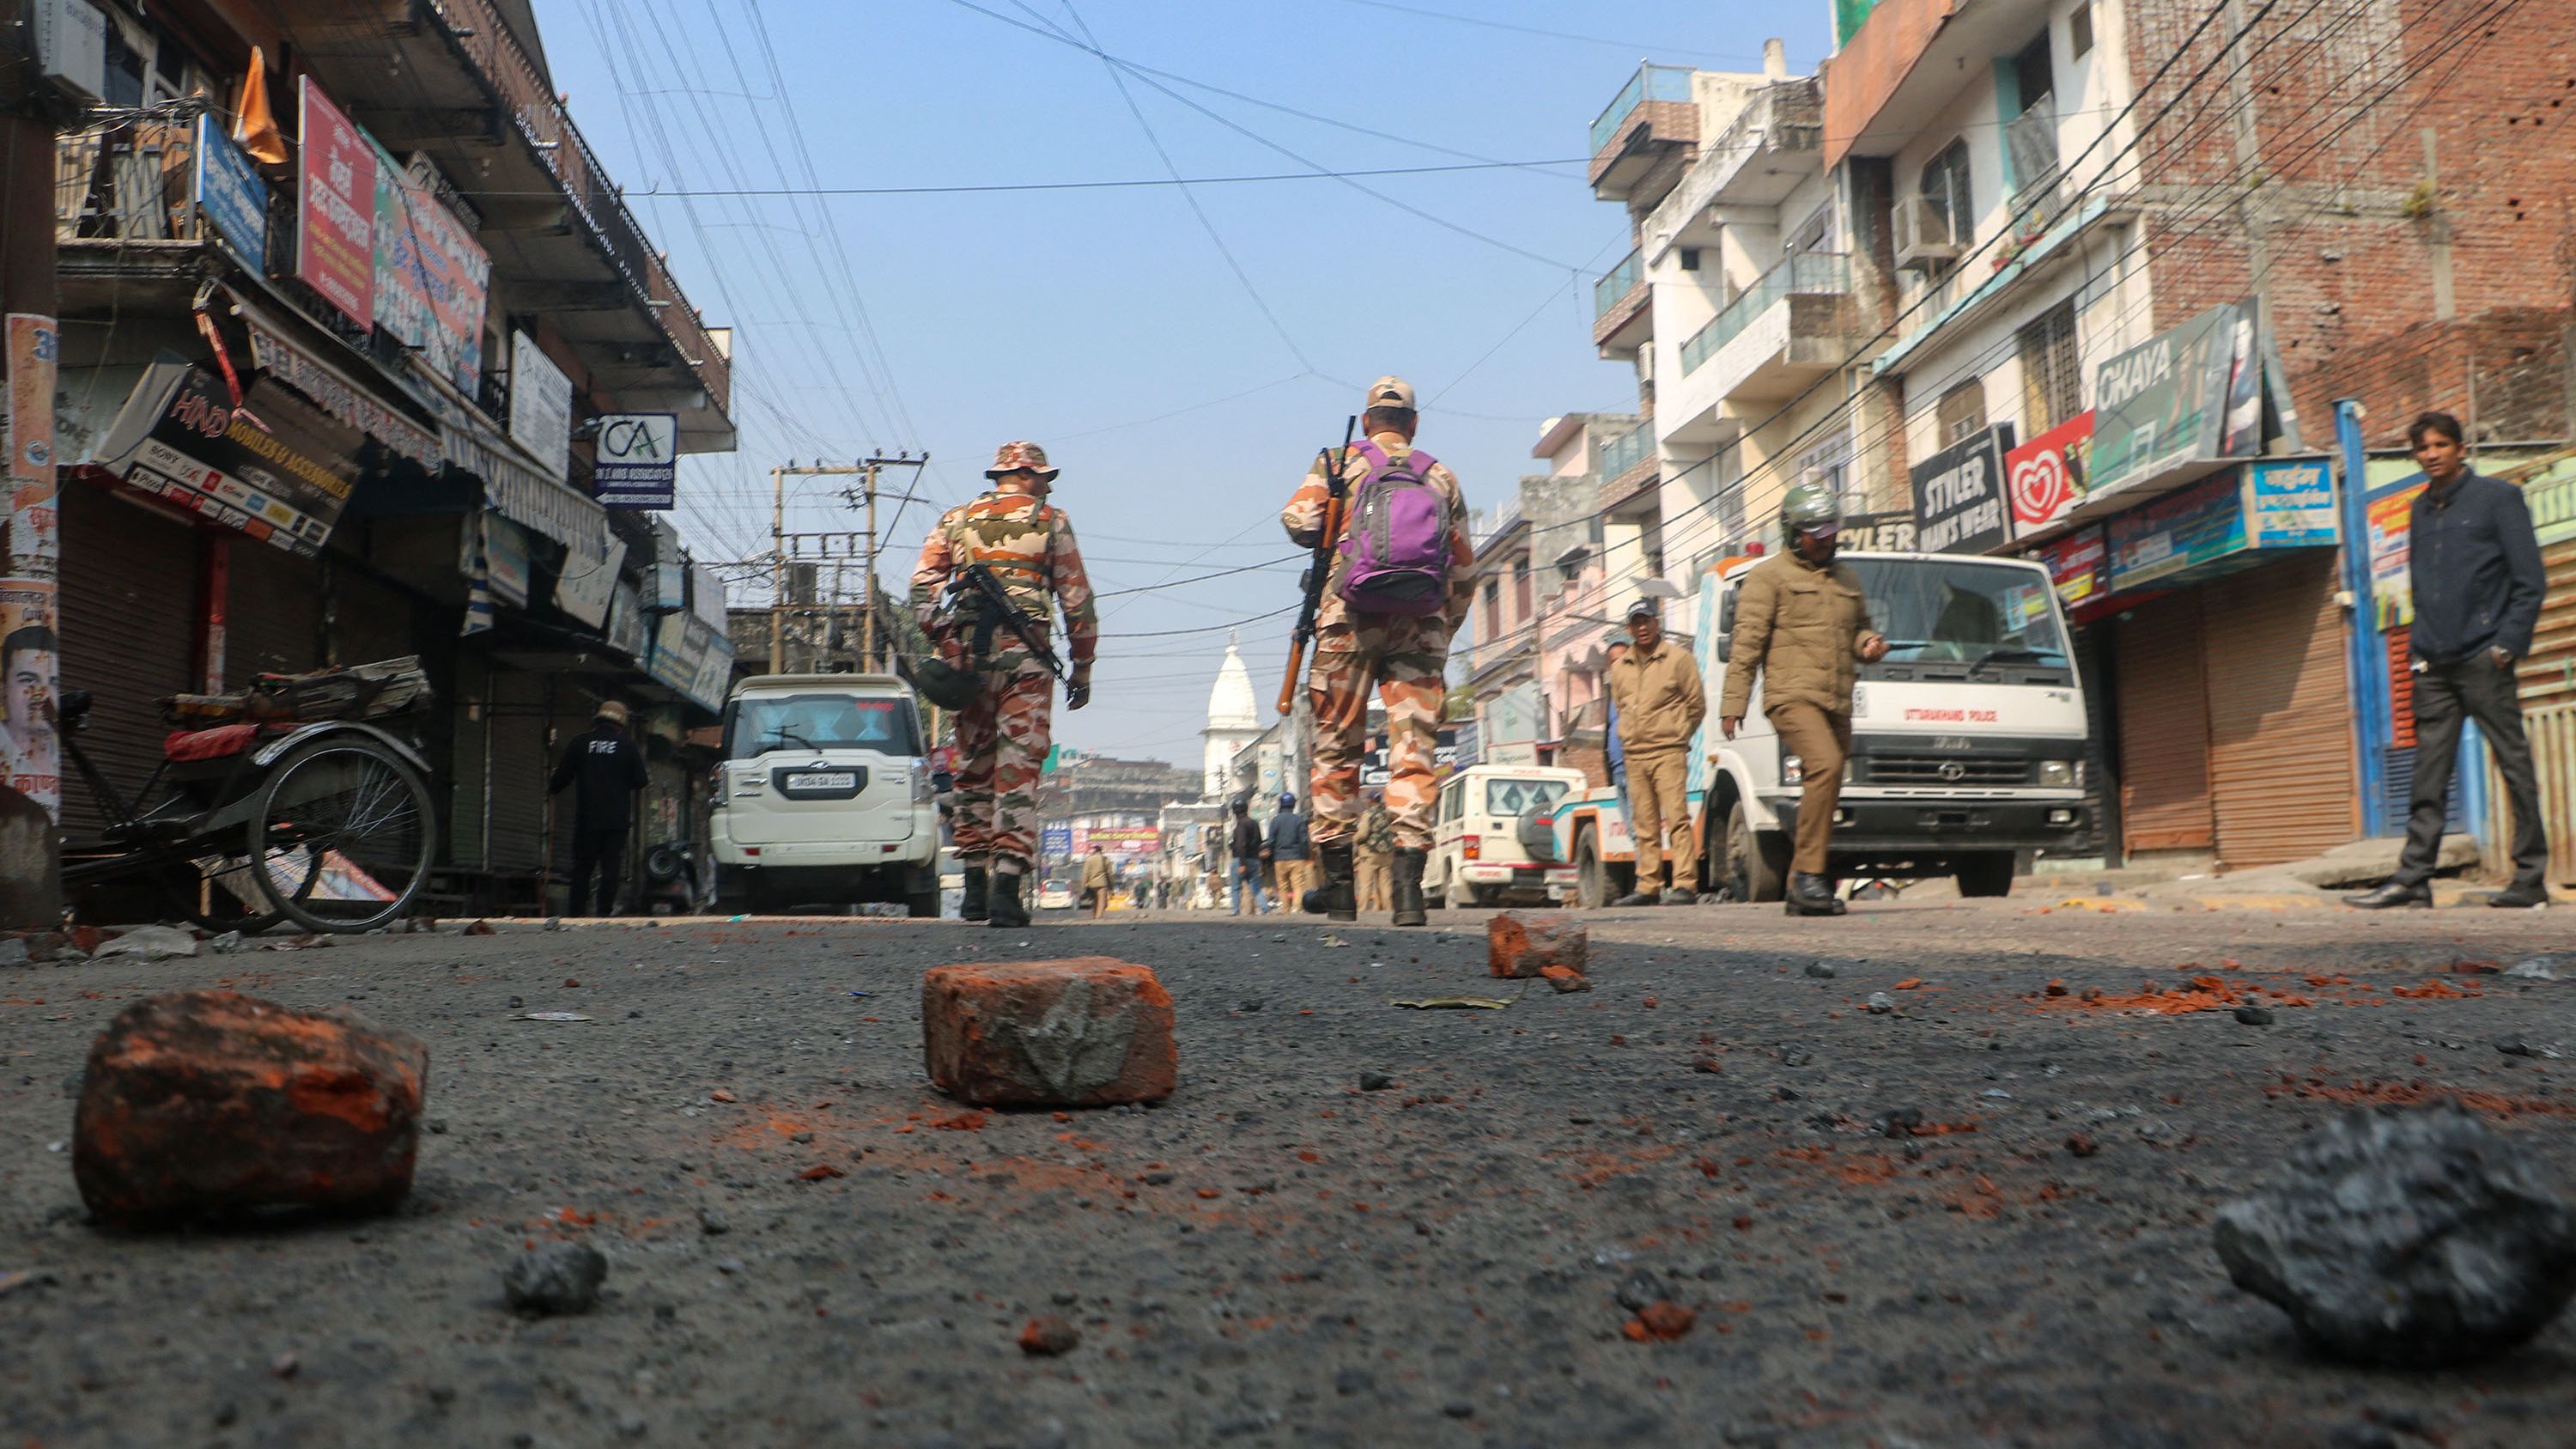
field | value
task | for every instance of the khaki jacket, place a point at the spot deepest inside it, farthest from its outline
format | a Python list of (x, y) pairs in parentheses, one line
[(1801, 628), (1661, 700), (1096, 872)]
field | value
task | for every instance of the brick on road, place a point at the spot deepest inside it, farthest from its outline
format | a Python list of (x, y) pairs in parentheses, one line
[(1524, 946), (203, 1101), (1092, 1031)]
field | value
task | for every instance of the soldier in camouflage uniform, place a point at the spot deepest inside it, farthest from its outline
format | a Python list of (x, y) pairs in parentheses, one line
[(1002, 737), (1404, 656)]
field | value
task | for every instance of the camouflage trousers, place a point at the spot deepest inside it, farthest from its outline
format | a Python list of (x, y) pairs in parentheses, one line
[(1405, 659), (1001, 743)]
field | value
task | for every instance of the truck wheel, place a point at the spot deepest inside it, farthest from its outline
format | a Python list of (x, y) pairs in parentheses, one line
[(1591, 879), (1757, 863), (1987, 873), (921, 892)]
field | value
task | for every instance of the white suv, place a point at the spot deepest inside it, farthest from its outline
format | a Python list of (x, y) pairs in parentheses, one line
[(825, 796), (1478, 857)]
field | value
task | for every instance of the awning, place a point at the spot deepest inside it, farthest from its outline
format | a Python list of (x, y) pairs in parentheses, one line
[(275, 349)]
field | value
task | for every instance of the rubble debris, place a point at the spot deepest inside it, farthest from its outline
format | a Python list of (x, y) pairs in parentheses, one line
[(1048, 1336), (151, 943), (1087, 1032), (554, 1279), (1518, 946), (1566, 978)]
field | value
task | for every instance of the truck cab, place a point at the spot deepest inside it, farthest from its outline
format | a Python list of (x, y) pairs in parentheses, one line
[(1968, 743), (824, 797)]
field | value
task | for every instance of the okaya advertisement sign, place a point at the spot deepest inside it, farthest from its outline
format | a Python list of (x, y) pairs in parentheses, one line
[(2189, 395), (1959, 495)]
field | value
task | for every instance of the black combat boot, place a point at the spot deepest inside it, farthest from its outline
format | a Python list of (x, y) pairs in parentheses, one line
[(1002, 903), (1405, 871), (1338, 899), (972, 908), (1812, 895)]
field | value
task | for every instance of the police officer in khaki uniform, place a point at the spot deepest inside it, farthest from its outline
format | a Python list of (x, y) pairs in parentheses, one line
[(1660, 702), (1802, 626)]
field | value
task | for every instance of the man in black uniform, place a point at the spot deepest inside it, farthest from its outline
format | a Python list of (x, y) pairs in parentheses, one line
[(607, 768)]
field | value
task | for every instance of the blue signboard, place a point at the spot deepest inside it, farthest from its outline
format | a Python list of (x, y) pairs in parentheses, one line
[(1055, 842), (2177, 532), (231, 194), (2294, 504)]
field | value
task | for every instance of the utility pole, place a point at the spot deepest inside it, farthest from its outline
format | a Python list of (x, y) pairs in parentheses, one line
[(868, 469), (781, 541), (777, 570), (31, 883)]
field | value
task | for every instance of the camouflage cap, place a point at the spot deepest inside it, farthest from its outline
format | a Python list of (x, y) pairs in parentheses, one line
[(1011, 457), (1389, 392)]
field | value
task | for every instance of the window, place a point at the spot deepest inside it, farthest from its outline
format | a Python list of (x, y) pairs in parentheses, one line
[(2079, 32), (2051, 373), (2032, 70), (1520, 589), (1512, 797), (1815, 234), (1954, 611), (797, 722), (1829, 463), (1945, 187), (1690, 259), (1493, 608), (1961, 414)]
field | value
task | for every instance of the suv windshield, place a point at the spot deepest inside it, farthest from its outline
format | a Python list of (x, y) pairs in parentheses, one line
[(1511, 797), (761, 723), (1962, 610)]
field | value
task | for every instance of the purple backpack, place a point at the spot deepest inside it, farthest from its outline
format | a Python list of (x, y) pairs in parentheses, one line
[(1397, 544)]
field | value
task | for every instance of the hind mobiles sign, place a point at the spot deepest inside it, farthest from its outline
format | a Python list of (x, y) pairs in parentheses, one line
[(2044, 477)]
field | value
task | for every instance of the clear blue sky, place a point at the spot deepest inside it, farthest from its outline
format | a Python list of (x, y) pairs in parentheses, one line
[(1107, 324)]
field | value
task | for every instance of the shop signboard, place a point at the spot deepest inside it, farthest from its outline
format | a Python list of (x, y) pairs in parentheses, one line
[(1878, 533), (1117, 841), (1055, 841), (2044, 477), (2079, 564), (2293, 503), (540, 406), (1959, 495), (588, 583), (2183, 530), (627, 623), (638, 462), (2164, 404), (180, 439), (505, 560), (230, 194), (692, 658), (431, 276), (335, 208)]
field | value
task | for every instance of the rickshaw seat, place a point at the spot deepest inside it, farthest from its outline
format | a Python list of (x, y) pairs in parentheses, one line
[(219, 742)]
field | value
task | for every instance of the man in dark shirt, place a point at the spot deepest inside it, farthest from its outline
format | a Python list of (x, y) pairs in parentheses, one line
[(2474, 563), (605, 769), (1244, 845)]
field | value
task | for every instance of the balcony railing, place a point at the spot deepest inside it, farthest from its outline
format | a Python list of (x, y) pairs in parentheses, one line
[(1617, 283), (481, 32), (1801, 273), (1627, 450), (1650, 83)]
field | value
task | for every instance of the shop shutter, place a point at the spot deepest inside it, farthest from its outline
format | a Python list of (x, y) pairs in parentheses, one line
[(521, 763), (2098, 660), (129, 623), (2549, 708), (273, 623), (2164, 727), (2280, 713)]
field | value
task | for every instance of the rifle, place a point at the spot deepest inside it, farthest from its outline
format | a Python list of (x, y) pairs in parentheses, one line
[(975, 587), (1336, 500)]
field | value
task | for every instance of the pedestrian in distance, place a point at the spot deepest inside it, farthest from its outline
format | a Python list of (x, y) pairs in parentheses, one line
[(1658, 699), (1373, 855), (1243, 853), (1097, 881), (603, 767), (1004, 731), (1290, 851), (1802, 628), (1394, 589), (2473, 560)]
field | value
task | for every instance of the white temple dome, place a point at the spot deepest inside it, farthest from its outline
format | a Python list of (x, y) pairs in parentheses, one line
[(1231, 704)]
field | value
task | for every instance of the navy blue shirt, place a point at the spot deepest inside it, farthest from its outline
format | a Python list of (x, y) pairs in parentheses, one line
[(2475, 564), (1288, 836)]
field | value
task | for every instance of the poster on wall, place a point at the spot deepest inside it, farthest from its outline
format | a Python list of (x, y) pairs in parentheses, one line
[(1959, 495), (2163, 404), (2392, 587), (2044, 478), (431, 276), (30, 659), (335, 208), (30, 655), (35, 358), (540, 406)]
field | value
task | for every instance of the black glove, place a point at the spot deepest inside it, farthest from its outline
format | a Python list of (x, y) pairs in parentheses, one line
[(1078, 692)]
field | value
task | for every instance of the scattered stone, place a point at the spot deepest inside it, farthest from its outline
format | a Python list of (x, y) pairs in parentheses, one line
[(2080, 1145), (1049, 1336), (1638, 1290), (1375, 1081), (1458, 1409), (13, 951), (1566, 978), (1796, 1056), (554, 923), (225, 944), (554, 1279), (2538, 968), (1900, 1122), (2406, 1240), (713, 1223), (1820, 971), (1660, 1322), (1086, 1032), (1350, 1381), (1880, 1003), (1518, 946), (2254, 1015), (479, 928), (2514, 1047), (151, 943), (205, 1101), (284, 1365)]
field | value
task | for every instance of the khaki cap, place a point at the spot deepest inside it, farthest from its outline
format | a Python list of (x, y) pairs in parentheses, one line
[(1011, 457), (611, 711), (1389, 392)]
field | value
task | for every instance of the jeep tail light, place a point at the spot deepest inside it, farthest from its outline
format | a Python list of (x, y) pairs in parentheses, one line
[(1471, 847)]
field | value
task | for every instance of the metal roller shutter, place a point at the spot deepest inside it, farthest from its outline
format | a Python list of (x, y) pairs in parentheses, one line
[(2164, 727), (2549, 709), (273, 621), (2280, 714), (129, 609), (521, 762)]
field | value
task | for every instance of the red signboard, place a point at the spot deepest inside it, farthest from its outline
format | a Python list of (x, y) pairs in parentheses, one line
[(2079, 564), (2044, 477), (335, 208)]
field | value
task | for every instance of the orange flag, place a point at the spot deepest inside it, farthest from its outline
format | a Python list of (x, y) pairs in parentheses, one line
[(255, 125)]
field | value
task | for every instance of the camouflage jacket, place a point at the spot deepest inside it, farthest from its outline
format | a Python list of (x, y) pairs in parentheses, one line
[(1028, 543), (1304, 520)]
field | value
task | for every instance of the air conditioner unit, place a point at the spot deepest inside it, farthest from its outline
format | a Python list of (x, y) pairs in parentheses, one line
[(1923, 239), (71, 47)]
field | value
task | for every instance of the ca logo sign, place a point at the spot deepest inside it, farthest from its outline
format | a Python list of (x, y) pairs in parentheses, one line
[(636, 439)]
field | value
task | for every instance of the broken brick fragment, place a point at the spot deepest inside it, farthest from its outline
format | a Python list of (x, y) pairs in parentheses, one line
[(1048, 1335), (1087, 1032), (1519, 946), (1566, 978), (1659, 1321), (208, 1101)]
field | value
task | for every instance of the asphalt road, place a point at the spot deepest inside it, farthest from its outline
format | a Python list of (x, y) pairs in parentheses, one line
[(1277, 1256)]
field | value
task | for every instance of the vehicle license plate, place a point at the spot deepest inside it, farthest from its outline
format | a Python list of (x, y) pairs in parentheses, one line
[(823, 780)]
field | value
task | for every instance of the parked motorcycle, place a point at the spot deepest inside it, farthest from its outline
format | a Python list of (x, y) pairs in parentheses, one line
[(678, 875)]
